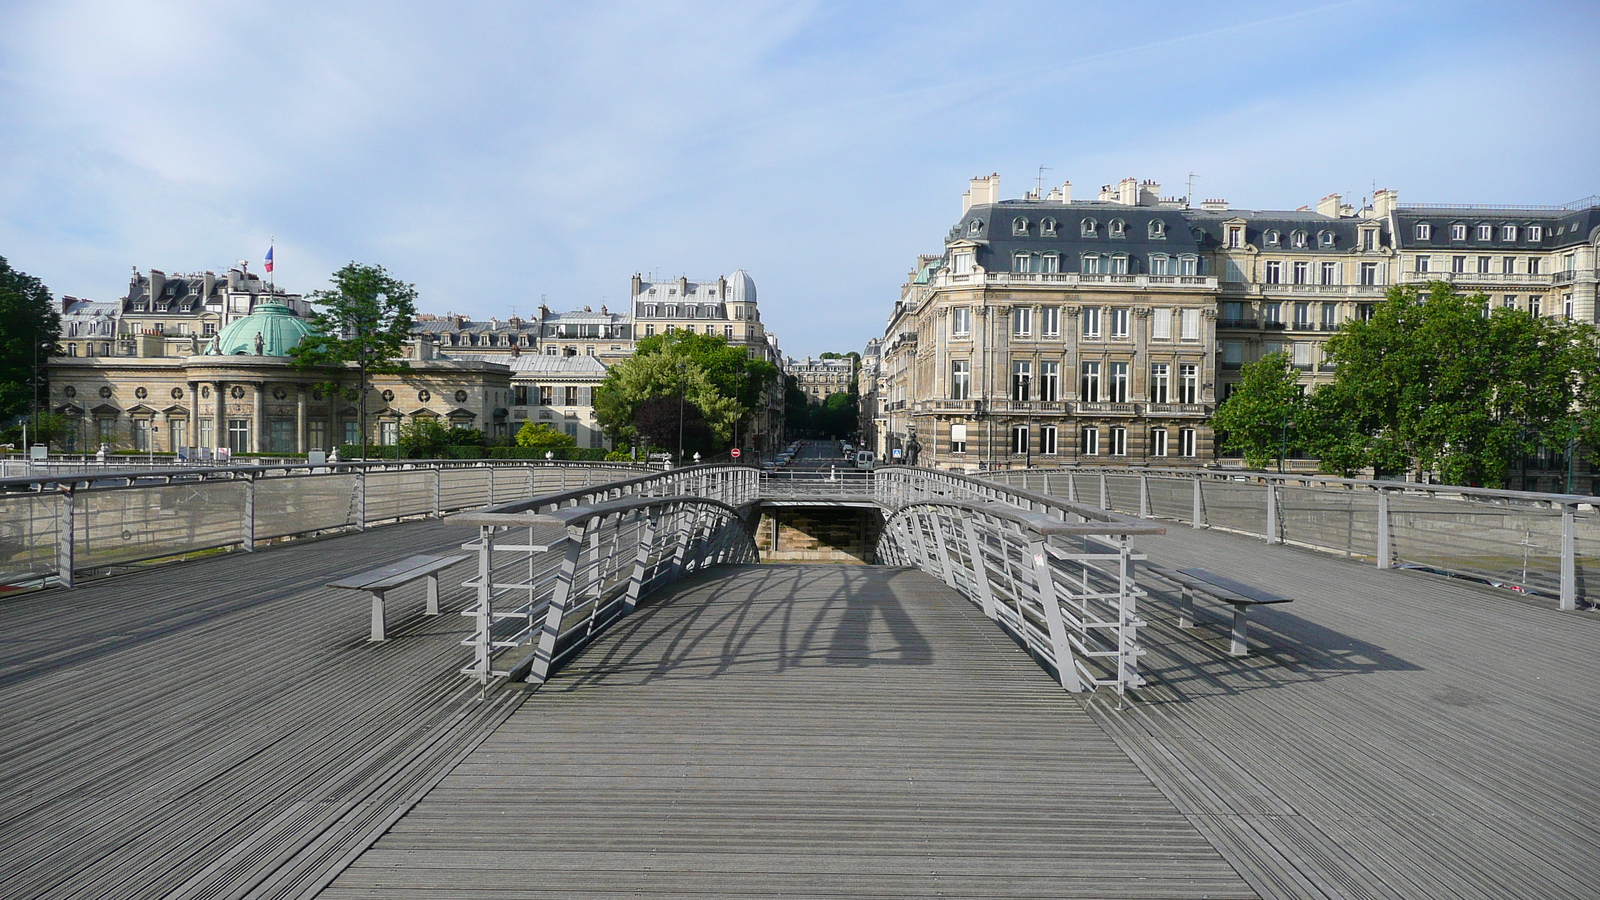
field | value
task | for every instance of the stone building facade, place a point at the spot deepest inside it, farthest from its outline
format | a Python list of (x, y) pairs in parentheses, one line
[(820, 377)]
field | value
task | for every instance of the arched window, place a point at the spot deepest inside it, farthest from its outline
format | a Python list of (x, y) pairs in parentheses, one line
[(1325, 239), (1088, 227), (1047, 227), (1158, 229), (975, 227), (1117, 228), (1298, 238), (1019, 225), (1271, 238)]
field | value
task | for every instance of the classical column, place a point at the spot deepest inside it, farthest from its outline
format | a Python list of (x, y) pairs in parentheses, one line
[(219, 428), (300, 419), (258, 426)]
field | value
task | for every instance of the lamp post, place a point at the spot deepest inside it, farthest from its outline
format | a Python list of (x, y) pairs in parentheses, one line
[(682, 389), (1027, 421)]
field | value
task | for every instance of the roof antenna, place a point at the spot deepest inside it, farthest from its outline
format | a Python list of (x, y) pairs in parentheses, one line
[(1188, 201), (1038, 188)]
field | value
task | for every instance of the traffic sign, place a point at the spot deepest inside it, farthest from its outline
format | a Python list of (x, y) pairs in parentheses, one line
[(735, 452)]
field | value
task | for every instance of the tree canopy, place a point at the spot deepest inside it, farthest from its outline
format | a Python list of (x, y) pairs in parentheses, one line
[(639, 400), (366, 319), (1256, 418), (535, 434), (28, 319), (1436, 382)]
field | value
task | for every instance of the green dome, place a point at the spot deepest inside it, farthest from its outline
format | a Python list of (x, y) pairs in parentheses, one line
[(280, 330)]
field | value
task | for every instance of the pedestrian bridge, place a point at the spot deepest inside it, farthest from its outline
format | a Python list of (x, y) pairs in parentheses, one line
[(221, 727)]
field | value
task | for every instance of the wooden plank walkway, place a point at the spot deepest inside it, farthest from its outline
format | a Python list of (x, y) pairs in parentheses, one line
[(221, 727), (1395, 734), (797, 731)]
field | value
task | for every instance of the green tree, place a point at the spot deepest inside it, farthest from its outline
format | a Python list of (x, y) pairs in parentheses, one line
[(722, 384), (1435, 382), (365, 320), (544, 437), (1257, 416), (423, 438), (29, 329)]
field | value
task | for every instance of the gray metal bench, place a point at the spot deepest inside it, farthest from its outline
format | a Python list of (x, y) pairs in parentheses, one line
[(1239, 595), (378, 581)]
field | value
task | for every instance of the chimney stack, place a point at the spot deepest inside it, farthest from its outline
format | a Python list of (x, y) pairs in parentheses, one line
[(1128, 192), (1149, 193), (1215, 206), (1384, 202), (1329, 206)]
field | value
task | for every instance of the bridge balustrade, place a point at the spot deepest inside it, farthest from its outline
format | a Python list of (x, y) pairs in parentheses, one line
[(55, 527), (1531, 542)]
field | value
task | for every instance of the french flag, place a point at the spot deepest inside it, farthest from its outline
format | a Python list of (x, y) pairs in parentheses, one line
[(269, 259)]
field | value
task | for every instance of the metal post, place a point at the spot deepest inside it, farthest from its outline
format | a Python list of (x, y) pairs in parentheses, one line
[(1045, 584), (491, 485), (980, 569), (1197, 515), (1383, 529), (361, 500), (1272, 514), (939, 539), (1105, 493), (544, 656), (65, 539), (438, 492), (1144, 495), (247, 524), (1569, 560)]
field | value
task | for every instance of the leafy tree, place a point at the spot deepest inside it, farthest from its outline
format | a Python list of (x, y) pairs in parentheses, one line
[(29, 329), (366, 320), (423, 438), (1434, 382), (640, 396), (542, 436), (1257, 416)]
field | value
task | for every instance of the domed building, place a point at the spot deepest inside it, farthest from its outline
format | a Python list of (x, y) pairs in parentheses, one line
[(271, 329)]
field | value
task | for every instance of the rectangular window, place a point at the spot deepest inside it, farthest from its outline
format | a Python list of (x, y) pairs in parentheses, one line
[(1485, 232), (1508, 265), (572, 396), (1566, 306), (727, 332), (1019, 439), (958, 437), (1091, 321), (1047, 440), (1119, 322), (1535, 233), (1052, 263), (571, 428), (1533, 265), (389, 432), (1091, 441), (141, 435), (1119, 265), (1232, 354), (317, 435), (547, 395), (1423, 262), (1089, 386), (1508, 233), (1021, 321), (1274, 272), (650, 330), (1535, 305), (1159, 382), (1458, 264), (1458, 232), (1235, 236), (1188, 383), (1118, 383), (1484, 264), (961, 380), (1302, 354), (1369, 273), (1232, 271), (1190, 322), (239, 435), (280, 435), (208, 329), (1509, 301), (1189, 265), (1158, 264), (1330, 316), (1302, 315), (1272, 314), (1186, 443), (1021, 381), (1119, 441), (352, 432), (1330, 273), (520, 395), (1302, 273), (205, 434), (1424, 231), (1161, 324), (961, 320), (1158, 442), (1050, 321), (1049, 381)]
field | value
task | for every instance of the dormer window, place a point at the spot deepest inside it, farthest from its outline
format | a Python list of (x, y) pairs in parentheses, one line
[(1158, 230), (1047, 227), (1458, 232), (1019, 225), (1118, 228), (1485, 232), (1298, 239), (1535, 233), (1325, 239), (1091, 264), (975, 227), (1271, 238), (1158, 264), (1424, 231), (1088, 227), (1508, 233)]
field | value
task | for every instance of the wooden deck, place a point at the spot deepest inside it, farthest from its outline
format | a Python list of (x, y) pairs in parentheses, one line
[(797, 731), (222, 728)]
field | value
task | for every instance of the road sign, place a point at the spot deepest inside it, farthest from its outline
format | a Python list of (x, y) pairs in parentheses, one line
[(735, 452)]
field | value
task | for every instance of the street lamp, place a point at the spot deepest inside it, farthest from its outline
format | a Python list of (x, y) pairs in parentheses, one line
[(682, 389)]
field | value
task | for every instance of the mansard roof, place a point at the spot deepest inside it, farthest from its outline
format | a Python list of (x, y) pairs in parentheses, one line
[(993, 229), (1560, 227)]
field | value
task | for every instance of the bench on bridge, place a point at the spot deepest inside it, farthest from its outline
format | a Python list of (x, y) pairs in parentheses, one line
[(1221, 588), (378, 581)]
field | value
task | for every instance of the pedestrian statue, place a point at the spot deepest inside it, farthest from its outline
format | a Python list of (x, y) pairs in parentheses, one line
[(912, 449), (261, 343)]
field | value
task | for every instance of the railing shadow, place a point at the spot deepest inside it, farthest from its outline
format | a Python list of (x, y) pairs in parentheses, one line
[(765, 622)]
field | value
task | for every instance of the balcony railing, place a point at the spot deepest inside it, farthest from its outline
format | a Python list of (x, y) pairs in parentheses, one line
[(1496, 278), (1117, 410), (1069, 279), (1196, 410)]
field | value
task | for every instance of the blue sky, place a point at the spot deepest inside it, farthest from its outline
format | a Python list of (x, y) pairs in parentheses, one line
[(494, 153)]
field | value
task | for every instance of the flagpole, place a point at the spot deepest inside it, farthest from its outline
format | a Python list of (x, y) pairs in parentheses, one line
[(272, 277)]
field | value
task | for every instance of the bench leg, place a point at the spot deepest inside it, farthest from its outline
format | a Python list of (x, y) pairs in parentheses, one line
[(1186, 609), (377, 617), (1240, 645), (433, 594)]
